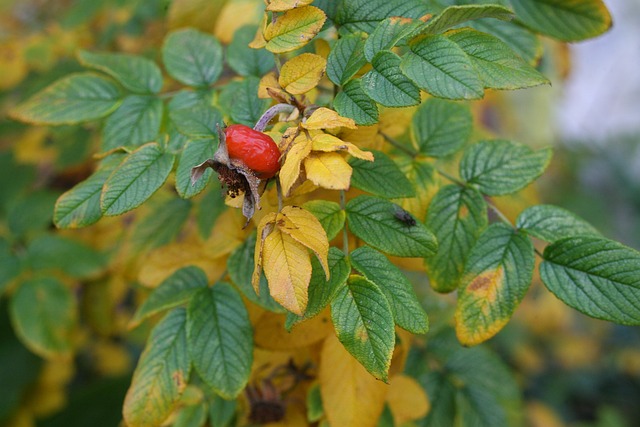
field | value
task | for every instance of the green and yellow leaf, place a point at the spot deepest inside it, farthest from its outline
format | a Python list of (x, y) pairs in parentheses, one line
[(294, 29), (302, 73)]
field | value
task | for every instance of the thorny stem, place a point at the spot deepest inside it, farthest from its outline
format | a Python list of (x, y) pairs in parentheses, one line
[(345, 237), (270, 114), (279, 191), (398, 145)]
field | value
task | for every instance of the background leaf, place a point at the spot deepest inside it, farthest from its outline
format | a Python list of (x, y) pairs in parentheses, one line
[(406, 309), (551, 223), (197, 120), (457, 216), (192, 57), (567, 21), (381, 177), (501, 167), (136, 179), (364, 324), (135, 73), (239, 99), (162, 373), (496, 277), (53, 252), (220, 339), (43, 314), (77, 98), (373, 220), (245, 60), (596, 276), (441, 127)]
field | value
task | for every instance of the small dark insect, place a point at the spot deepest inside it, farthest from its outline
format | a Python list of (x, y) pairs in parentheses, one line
[(404, 217)]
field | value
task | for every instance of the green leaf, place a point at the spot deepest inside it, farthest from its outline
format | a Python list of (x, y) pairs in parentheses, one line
[(404, 304), (135, 122), (519, 39), (43, 313), (53, 252), (162, 373), (364, 325), (500, 167), (457, 216), (363, 15), (354, 103), (198, 120), (191, 416), (388, 33), (564, 20), (330, 215), (174, 291), (240, 266), (220, 339), (135, 73), (245, 60), (80, 206), (455, 15), (386, 84), (162, 225), (136, 179), (315, 410), (552, 223), (192, 57), (195, 152), (221, 411), (346, 58), (498, 66), (210, 206), (596, 276), (9, 265), (32, 213), (239, 99), (441, 127), (381, 177), (440, 67), (374, 220), (73, 99), (321, 290), (496, 277)]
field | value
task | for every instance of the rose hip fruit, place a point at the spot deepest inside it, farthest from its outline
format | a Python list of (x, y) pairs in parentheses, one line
[(256, 149)]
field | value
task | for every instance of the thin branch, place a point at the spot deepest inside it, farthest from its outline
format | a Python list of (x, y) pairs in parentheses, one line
[(398, 145), (345, 236)]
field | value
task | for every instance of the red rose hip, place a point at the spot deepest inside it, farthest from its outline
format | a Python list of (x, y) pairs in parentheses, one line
[(256, 149)]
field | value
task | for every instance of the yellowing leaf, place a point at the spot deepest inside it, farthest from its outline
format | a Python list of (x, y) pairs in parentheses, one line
[(284, 5), (324, 118), (269, 82), (194, 13), (287, 266), (272, 335), (234, 15), (302, 73), (351, 396), (407, 400), (305, 228), (264, 228), (327, 143), (13, 67), (363, 137), (328, 170), (294, 29), (287, 138), (290, 170), (258, 41)]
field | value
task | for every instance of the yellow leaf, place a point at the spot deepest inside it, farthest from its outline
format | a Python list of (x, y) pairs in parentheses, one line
[(258, 41), (302, 73), (264, 228), (268, 81), (287, 139), (287, 266), (271, 334), (305, 228), (327, 143), (394, 122), (290, 170), (234, 15), (351, 396), (13, 67), (407, 399), (194, 13), (328, 170), (324, 118), (364, 137), (284, 5), (227, 234), (294, 29)]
